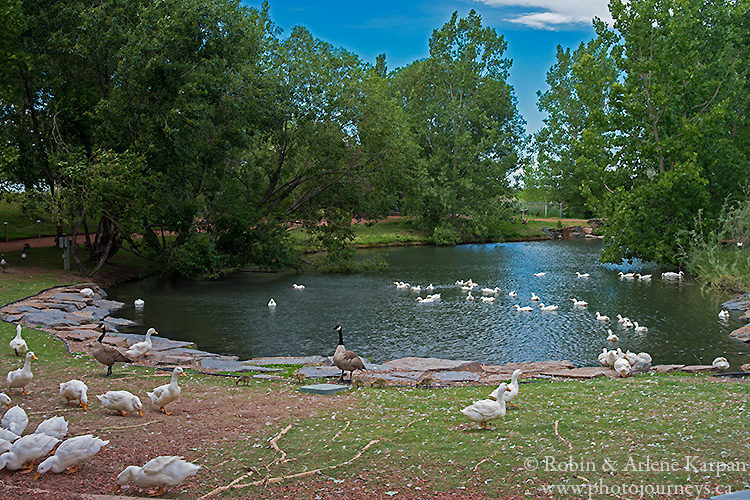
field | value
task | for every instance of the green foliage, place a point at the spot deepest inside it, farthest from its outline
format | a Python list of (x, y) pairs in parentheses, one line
[(196, 257), (650, 220), (712, 253), (463, 115)]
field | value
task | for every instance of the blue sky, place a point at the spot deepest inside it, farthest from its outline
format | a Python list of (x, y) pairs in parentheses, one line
[(401, 30)]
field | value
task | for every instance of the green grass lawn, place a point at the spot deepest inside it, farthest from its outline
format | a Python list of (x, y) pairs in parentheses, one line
[(21, 225)]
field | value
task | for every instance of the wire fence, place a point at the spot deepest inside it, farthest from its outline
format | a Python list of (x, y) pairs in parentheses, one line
[(36, 229), (541, 208)]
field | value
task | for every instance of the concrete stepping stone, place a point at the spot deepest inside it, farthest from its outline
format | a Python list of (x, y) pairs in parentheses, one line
[(325, 389)]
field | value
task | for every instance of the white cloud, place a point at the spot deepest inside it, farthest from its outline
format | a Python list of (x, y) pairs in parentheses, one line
[(551, 14)]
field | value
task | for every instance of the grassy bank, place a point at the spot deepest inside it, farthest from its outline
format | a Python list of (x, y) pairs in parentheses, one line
[(416, 443)]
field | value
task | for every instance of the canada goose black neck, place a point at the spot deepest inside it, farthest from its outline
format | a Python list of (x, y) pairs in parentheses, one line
[(101, 337), (341, 335)]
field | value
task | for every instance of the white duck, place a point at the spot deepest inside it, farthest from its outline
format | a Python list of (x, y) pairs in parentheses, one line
[(512, 293), (582, 275), (534, 297), (139, 303), (430, 287), (121, 401), (272, 303), (75, 390), (5, 400), (643, 277), (487, 299), (26, 450), (639, 328), (539, 275), (512, 390), (416, 288), (165, 394), (672, 276), (611, 336), (622, 367), (139, 349), (70, 454), (724, 314), (549, 307), (426, 300), (87, 292), (161, 471), (491, 291), (470, 296), (5, 445), (603, 357), (631, 357), (626, 323), (18, 345), (298, 287), (484, 410), (612, 357), (627, 276), (601, 317), (15, 420), (645, 357), (22, 377), (401, 285), (57, 427), (523, 309), (579, 303), (721, 364)]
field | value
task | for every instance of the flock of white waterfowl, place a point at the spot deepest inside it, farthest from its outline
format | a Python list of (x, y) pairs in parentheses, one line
[(48, 442)]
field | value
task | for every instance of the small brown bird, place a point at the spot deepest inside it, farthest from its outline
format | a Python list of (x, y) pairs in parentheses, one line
[(108, 355), (345, 360)]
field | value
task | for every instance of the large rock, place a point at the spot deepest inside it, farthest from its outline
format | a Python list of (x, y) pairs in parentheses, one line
[(742, 333), (49, 318), (529, 368), (412, 364), (739, 304), (667, 368), (226, 364), (745, 367), (110, 305), (698, 368), (586, 372)]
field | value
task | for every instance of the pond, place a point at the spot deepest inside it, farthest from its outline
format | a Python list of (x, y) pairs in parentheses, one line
[(380, 322)]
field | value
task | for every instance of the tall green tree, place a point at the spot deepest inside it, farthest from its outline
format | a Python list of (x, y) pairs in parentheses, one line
[(463, 114)]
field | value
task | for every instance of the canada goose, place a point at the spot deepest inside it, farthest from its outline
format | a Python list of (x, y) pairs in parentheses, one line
[(3, 263), (345, 360), (108, 355), (24, 255)]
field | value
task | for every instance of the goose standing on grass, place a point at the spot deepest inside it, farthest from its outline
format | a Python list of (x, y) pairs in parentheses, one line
[(724, 314), (140, 349), (721, 364), (15, 420), (107, 355), (165, 394), (548, 308), (122, 402), (344, 359), (69, 455), (484, 410), (18, 344), (5, 400), (26, 450), (601, 317), (22, 377), (75, 390), (579, 303), (158, 472)]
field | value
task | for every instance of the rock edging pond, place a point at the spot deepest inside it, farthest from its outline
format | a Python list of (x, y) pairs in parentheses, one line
[(77, 320)]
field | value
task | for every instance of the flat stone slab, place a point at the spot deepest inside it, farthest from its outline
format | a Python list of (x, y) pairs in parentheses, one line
[(383, 376), (81, 335), (456, 376), (264, 376), (225, 365), (111, 305), (324, 389), (742, 333), (586, 372), (65, 307), (119, 321), (408, 375), (375, 367), (530, 367), (745, 367), (698, 368), (28, 309), (666, 368), (431, 364), (289, 360), (48, 318), (320, 371), (739, 304), (170, 359), (195, 353)]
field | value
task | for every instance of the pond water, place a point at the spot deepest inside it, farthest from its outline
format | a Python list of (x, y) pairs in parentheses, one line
[(380, 322)]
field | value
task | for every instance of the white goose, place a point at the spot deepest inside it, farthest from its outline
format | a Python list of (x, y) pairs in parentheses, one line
[(22, 377), (139, 349), (601, 317), (70, 454), (549, 307), (165, 394), (161, 471), (580, 303), (524, 308), (484, 410), (639, 328), (539, 275), (18, 345)]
